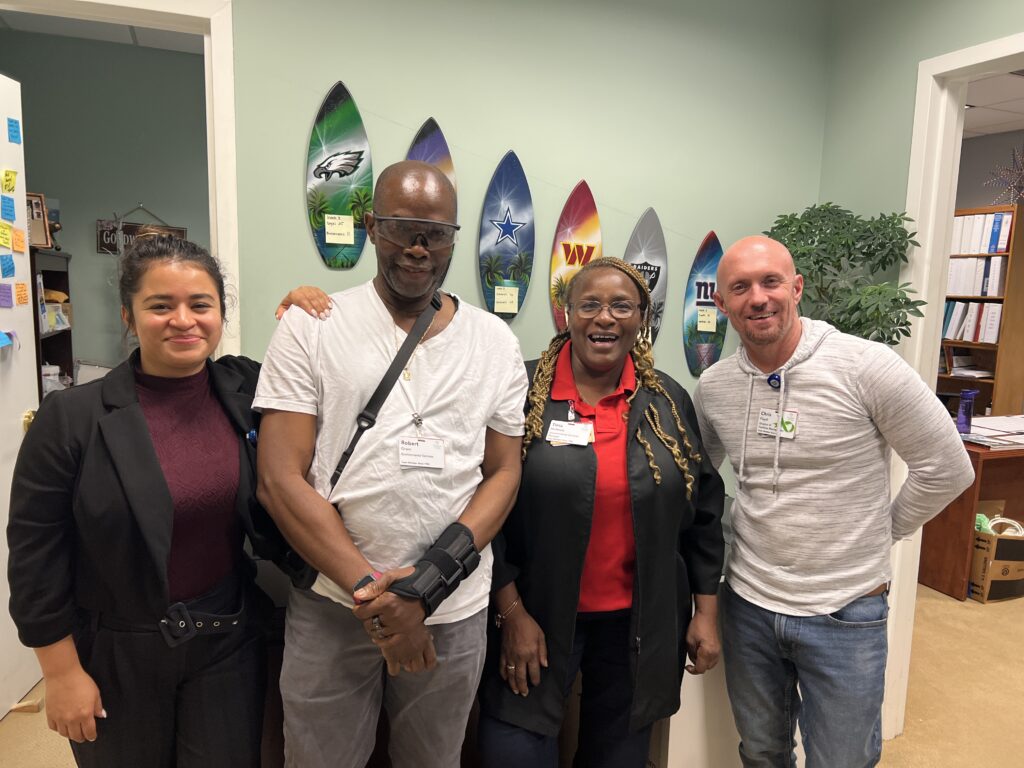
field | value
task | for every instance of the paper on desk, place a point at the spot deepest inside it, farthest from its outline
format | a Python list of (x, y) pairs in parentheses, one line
[(1000, 423)]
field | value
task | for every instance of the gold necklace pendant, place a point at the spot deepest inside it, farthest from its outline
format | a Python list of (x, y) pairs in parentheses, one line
[(406, 374)]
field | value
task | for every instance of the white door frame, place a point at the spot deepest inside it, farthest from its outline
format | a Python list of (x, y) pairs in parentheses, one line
[(931, 200), (212, 20)]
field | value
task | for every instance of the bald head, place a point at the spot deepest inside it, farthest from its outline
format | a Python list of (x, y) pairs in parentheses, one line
[(753, 247), (414, 180)]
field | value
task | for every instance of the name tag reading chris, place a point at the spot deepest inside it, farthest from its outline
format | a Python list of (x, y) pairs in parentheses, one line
[(421, 452), (768, 423)]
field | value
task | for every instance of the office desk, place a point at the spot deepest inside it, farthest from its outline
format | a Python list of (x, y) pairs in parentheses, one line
[(947, 543)]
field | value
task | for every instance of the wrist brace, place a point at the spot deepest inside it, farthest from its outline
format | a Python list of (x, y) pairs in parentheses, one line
[(448, 561)]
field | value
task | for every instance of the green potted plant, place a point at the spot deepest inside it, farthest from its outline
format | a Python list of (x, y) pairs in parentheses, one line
[(842, 258)]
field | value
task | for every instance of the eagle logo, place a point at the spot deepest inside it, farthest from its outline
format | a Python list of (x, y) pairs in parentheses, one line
[(341, 163)]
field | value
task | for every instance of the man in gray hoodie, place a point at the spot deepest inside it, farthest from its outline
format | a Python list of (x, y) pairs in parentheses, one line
[(808, 417)]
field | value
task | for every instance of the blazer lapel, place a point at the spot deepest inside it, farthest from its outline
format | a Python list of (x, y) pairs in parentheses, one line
[(126, 436)]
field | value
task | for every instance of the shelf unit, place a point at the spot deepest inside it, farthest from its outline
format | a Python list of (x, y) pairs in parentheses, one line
[(1004, 390), (52, 347)]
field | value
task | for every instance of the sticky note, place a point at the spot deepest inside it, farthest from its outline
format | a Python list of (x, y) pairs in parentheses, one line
[(506, 299), (5, 340), (6, 265), (21, 293), (7, 207), (10, 180), (707, 319), (13, 130), (339, 229), (5, 235), (17, 240), (6, 296)]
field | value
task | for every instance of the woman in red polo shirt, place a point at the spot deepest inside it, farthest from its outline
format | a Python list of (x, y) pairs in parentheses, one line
[(615, 534)]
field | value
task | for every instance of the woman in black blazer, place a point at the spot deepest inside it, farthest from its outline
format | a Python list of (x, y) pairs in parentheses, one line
[(130, 499)]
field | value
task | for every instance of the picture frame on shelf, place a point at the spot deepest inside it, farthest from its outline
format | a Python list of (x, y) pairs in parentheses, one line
[(38, 220)]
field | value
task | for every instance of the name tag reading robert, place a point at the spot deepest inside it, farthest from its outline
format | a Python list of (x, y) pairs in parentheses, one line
[(768, 423), (570, 433), (421, 452)]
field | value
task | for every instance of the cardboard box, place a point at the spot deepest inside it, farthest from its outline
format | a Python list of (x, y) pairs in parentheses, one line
[(997, 570)]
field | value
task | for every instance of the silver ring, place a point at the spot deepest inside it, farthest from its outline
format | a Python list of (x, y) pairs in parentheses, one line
[(510, 667), (377, 626)]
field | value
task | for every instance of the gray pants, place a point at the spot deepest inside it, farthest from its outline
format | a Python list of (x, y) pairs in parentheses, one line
[(334, 679)]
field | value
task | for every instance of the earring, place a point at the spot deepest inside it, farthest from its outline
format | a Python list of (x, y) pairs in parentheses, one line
[(565, 312)]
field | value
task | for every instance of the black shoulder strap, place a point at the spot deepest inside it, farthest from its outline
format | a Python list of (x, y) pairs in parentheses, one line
[(368, 417)]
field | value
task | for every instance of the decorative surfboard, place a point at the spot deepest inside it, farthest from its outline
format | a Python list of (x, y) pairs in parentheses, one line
[(339, 180), (506, 239), (704, 326), (431, 147), (577, 242), (646, 251)]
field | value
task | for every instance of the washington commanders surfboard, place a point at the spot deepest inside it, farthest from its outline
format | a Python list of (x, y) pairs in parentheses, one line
[(646, 251), (431, 147), (577, 242), (506, 239), (339, 180), (704, 326)]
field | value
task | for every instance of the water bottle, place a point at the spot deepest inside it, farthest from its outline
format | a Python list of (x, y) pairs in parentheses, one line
[(965, 411)]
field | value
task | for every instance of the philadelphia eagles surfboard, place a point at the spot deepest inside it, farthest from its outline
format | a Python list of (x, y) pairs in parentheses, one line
[(506, 239), (339, 180), (577, 242), (646, 251)]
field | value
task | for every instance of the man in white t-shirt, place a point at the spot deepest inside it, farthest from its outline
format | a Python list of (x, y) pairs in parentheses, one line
[(425, 491)]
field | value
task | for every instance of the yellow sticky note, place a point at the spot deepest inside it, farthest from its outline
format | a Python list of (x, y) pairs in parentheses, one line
[(21, 293), (707, 319), (18, 240), (10, 180), (339, 229), (5, 235), (506, 299)]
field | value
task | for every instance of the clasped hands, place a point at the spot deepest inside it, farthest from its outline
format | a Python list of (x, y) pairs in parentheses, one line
[(395, 624)]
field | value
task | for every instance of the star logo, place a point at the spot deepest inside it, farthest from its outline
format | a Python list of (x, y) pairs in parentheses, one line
[(507, 228)]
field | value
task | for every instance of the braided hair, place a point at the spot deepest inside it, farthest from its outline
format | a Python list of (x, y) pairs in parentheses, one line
[(643, 362)]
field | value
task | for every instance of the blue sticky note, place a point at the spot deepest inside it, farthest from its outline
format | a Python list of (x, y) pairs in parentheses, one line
[(5, 340), (6, 265), (13, 130), (6, 295), (7, 207)]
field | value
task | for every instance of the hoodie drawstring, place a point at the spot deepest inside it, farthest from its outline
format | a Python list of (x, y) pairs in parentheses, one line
[(746, 428), (778, 431)]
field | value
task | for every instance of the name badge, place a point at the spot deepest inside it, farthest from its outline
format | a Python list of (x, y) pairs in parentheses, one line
[(421, 452), (570, 433), (768, 423)]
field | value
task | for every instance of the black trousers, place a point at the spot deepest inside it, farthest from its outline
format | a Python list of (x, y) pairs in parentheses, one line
[(198, 704)]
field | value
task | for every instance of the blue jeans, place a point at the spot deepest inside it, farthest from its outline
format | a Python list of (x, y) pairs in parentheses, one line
[(600, 650), (828, 671)]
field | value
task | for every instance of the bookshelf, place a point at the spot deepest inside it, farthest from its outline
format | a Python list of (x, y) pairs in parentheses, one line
[(52, 346), (1003, 357)]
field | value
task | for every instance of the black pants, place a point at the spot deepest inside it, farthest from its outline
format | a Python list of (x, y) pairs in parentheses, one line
[(199, 704)]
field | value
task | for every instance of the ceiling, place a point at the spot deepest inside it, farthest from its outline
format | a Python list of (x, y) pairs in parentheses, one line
[(997, 105), (97, 30), (997, 102)]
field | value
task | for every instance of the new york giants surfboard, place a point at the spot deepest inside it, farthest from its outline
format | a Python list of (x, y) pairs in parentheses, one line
[(704, 326)]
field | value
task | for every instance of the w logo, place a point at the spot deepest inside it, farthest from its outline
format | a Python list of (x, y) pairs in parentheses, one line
[(578, 253)]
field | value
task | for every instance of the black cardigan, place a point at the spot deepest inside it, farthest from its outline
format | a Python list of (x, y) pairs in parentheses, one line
[(91, 514), (679, 551)]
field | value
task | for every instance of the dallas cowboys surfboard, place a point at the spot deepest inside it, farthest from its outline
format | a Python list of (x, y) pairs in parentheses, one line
[(646, 251), (704, 326), (339, 180), (577, 242), (506, 239), (430, 146)]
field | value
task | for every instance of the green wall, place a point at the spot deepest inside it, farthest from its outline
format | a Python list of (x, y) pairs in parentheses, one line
[(710, 112), (874, 50), (107, 126)]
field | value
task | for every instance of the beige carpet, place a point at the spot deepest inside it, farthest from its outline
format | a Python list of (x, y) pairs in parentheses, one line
[(963, 710), (966, 686)]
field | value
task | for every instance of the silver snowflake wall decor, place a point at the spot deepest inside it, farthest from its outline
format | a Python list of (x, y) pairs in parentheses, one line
[(1011, 179)]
